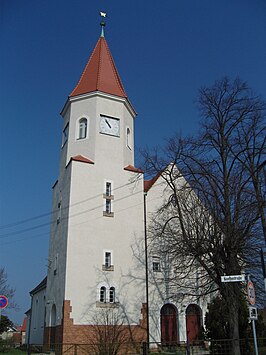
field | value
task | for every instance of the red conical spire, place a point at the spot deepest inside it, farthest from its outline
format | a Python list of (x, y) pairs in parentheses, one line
[(100, 73)]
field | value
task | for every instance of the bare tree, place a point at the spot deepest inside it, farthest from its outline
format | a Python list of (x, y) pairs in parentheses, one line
[(232, 107), (250, 151), (209, 226), (111, 335), (6, 289)]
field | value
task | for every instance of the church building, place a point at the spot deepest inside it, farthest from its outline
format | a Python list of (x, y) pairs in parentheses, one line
[(101, 203)]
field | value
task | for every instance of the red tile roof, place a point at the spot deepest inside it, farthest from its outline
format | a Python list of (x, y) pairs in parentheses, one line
[(24, 325), (100, 73), (133, 169), (22, 328)]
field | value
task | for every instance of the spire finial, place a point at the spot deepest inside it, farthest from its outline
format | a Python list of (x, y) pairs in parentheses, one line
[(102, 14)]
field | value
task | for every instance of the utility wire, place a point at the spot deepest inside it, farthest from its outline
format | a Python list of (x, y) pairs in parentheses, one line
[(65, 218), (14, 224), (64, 208), (26, 238), (87, 221)]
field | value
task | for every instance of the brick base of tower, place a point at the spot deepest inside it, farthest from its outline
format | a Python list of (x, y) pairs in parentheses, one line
[(80, 337)]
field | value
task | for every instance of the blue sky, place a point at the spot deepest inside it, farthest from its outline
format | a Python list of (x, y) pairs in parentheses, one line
[(164, 51)]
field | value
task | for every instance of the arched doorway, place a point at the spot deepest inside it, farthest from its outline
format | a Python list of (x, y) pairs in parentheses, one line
[(193, 322), (53, 324), (169, 329)]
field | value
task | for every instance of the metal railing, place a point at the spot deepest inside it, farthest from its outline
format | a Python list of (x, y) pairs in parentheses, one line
[(212, 347)]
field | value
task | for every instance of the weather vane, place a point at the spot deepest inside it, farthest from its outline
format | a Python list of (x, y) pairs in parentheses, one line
[(103, 15)]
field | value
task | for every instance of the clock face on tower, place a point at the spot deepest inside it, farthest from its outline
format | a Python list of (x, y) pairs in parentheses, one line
[(110, 125)]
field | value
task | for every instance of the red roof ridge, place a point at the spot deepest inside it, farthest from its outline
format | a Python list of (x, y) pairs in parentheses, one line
[(149, 183), (99, 65), (82, 159), (117, 76), (133, 169), (84, 71)]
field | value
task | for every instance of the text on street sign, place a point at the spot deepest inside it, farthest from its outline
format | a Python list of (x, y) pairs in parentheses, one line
[(233, 278)]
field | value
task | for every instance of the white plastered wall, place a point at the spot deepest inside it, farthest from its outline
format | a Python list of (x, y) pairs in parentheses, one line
[(90, 233), (37, 319), (157, 196)]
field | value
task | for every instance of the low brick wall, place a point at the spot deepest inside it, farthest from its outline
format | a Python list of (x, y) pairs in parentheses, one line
[(127, 337)]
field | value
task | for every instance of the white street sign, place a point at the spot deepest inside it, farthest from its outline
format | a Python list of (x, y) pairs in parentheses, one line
[(253, 313), (233, 278)]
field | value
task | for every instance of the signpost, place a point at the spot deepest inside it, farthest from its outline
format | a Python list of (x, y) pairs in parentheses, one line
[(252, 300), (252, 311), (3, 304)]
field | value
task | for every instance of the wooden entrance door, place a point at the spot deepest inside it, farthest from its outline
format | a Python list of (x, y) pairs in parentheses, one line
[(169, 332), (193, 322)]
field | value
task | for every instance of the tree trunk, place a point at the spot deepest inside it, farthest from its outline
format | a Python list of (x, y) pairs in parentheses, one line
[(234, 326)]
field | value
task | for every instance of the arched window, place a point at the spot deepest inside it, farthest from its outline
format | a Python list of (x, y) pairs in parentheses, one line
[(103, 294), (128, 138), (36, 313), (82, 128), (53, 316), (44, 313), (112, 295), (53, 324)]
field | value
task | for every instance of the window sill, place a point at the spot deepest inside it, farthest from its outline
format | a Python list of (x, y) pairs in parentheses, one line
[(107, 304), (108, 197), (108, 268), (108, 214)]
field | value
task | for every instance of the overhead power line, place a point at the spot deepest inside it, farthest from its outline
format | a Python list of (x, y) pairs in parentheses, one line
[(13, 233), (26, 238), (55, 221), (77, 214), (30, 219)]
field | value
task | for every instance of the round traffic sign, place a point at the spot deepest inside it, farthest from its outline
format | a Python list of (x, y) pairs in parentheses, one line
[(3, 301), (251, 293)]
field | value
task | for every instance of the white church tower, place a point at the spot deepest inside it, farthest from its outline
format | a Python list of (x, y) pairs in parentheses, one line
[(97, 257), (98, 208)]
